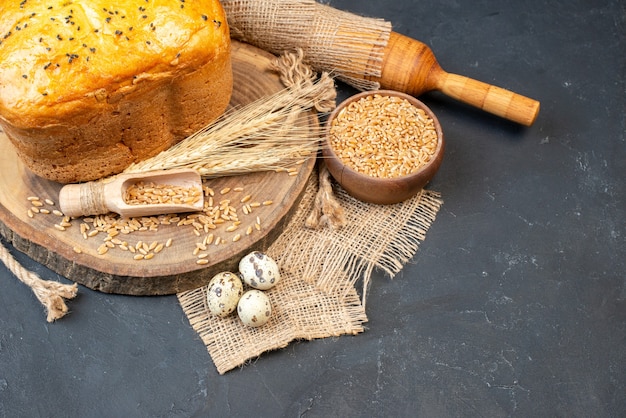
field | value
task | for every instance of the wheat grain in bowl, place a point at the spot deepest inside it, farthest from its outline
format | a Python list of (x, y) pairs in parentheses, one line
[(383, 147), (383, 136)]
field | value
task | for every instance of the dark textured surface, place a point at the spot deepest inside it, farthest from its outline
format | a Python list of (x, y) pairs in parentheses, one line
[(515, 304)]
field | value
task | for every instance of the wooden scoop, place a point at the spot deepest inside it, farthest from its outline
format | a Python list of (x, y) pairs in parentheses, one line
[(134, 195), (411, 67)]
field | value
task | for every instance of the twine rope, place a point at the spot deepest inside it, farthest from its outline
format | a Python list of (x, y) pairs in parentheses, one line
[(51, 294), (298, 76), (327, 211), (92, 199), (294, 73)]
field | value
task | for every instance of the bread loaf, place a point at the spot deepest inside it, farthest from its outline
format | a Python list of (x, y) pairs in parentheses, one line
[(89, 87)]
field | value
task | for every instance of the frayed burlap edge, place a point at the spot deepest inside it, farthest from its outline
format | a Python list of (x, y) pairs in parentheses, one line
[(299, 312), (316, 297), (372, 236)]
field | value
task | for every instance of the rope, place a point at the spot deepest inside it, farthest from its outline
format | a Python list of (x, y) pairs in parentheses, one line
[(327, 211), (50, 294)]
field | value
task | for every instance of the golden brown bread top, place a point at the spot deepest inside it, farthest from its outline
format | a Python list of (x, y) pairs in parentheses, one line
[(57, 56)]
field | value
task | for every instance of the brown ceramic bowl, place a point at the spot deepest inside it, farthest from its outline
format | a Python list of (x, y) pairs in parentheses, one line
[(382, 190)]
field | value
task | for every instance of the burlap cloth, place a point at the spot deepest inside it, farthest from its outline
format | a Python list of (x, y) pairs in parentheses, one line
[(349, 46), (320, 267), (317, 296)]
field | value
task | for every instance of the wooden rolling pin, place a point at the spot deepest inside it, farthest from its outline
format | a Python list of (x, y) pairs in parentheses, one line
[(410, 66), (364, 52)]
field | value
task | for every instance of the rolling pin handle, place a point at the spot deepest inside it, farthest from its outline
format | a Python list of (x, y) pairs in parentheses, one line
[(492, 99), (411, 66)]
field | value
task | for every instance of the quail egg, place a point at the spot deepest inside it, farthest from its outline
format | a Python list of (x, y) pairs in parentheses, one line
[(259, 270), (223, 293), (254, 308)]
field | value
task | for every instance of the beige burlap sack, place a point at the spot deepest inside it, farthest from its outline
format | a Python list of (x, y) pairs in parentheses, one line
[(316, 297), (349, 46)]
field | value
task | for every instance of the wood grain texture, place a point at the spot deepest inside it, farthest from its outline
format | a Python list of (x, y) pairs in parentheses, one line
[(174, 269), (410, 66)]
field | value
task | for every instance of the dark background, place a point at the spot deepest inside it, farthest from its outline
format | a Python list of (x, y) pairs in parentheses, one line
[(515, 304)]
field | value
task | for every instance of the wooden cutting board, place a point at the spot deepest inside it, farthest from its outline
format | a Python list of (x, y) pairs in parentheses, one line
[(176, 267)]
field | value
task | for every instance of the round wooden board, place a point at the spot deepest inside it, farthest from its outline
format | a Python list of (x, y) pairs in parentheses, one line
[(174, 269)]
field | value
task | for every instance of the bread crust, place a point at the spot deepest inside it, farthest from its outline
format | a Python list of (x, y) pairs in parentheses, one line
[(91, 118)]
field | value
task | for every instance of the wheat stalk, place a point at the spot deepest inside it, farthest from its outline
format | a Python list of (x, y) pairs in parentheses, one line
[(274, 132)]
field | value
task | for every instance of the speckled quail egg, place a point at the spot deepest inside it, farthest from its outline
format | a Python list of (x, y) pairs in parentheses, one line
[(254, 308), (259, 270), (223, 293)]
